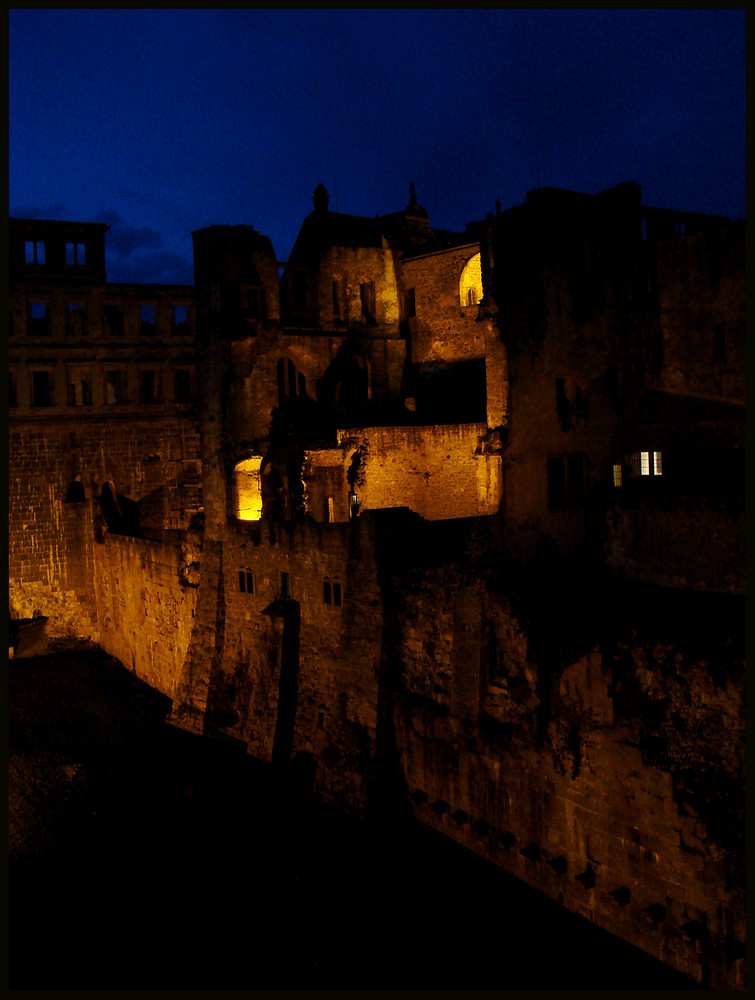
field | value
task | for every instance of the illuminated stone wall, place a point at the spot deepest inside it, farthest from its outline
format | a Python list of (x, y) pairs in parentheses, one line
[(146, 460), (443, 328), (438, 472), (146, 600)]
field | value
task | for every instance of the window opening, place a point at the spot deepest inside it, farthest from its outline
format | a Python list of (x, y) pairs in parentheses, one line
[(284, 587), (180, 320), (76, 492), (617, 475), (79, 387), (246, 581), (75, 254), (470, 282), (41, 388), (291, 383), (248, 489), (115, 386), (331, 592), (75, 326), (183, 385), (113, 321), (150, 386), (650, 463), (147, 320), (367, 297), (12, 390), (567, 481), (330, 511), (35, 252), (336, 298), (39, 319)]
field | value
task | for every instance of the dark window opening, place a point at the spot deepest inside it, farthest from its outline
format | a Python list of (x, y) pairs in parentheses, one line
[(367, 298), (495, 657), (41, 388), (39, 319), (147, 320), (76, 492), (246, 581), (113, 321), (291, 383), (336, 298), (320, 720), (180, 321), (567, 481), (34, 252), (331, 592), (115, 385), (150, 386), (575, 479), (75, 325), (284, 587), (79, 389), (254, 303), (184, 388), (12, 390)]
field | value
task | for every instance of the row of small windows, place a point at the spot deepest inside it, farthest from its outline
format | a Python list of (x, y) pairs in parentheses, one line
[(114, 387), (76, 321), (35, 252), (331, 589), (567, 476)]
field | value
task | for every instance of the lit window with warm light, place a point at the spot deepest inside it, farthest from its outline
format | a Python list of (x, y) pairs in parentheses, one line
[(470, 283), (248, 488)]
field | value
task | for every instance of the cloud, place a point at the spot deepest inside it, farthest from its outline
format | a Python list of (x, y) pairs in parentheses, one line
[(56, 211), (153, 268), (127, 240)]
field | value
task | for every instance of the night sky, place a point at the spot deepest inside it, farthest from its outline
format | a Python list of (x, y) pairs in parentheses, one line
[(160, 122)]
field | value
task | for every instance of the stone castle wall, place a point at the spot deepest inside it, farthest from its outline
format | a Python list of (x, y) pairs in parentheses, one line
[(601, 774), (149, 460), (438, 472)]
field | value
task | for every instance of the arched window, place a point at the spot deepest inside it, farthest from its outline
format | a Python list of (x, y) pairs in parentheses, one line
[(291, 383), (470, 282)]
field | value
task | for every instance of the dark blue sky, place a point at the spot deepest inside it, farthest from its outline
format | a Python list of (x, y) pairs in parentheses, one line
[(162, 121)]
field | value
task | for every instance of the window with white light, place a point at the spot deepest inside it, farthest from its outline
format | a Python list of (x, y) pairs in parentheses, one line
[(651, 463)]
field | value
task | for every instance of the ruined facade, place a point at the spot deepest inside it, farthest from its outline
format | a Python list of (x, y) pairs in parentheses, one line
[(470, 546)]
